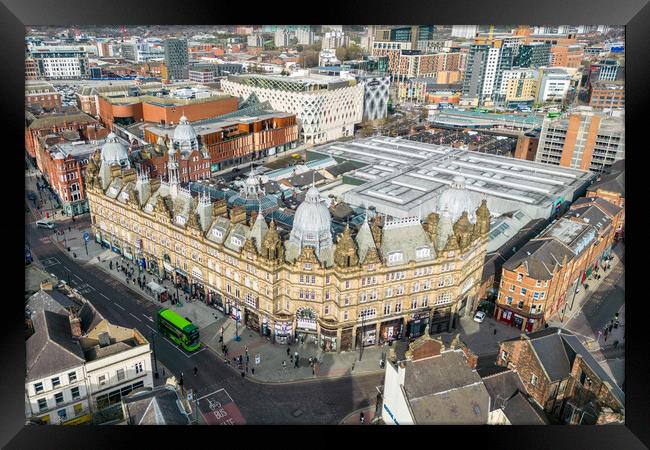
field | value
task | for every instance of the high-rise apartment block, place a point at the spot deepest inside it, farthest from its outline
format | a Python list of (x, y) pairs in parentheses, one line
[(177, 59)]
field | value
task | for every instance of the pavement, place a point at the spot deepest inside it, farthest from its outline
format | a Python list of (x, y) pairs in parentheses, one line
[(354, 418), (595, 307), (210, 320)]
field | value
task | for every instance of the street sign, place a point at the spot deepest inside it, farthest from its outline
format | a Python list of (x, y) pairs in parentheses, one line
[(86, 236)]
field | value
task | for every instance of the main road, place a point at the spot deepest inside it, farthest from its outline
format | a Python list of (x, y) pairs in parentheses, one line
[(321, 401)]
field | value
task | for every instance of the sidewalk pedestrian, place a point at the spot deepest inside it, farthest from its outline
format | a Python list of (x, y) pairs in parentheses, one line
[(362, 418), (247, 358), (288, 351), (284, 364), (313, 370), (196, 370), (295, 365), (495, 331), (291, 357), (252, 370)]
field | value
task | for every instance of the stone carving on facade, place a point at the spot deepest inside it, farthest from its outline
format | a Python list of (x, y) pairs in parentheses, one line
[(376, 230), (431, 226), (482, 226), (372, 257), (133, 198), (452, 243), (162, 207), (308, 255), (272, 248), (345, 254), (249, 246), (463, 230)]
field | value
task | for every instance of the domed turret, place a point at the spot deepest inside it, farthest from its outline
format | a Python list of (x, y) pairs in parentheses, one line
[(456, 200), (185, 137), (312, 223), (113, 152)]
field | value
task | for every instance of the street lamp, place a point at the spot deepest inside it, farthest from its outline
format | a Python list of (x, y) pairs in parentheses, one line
[(363, 321), (155, 361)]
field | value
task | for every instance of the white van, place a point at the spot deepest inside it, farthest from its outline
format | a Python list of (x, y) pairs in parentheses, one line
[(45, 223)]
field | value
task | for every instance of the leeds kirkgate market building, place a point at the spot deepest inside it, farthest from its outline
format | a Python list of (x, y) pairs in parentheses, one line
[(389, 279)]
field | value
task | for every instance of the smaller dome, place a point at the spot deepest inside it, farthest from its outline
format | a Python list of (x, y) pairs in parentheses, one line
[(455, 200), (184, 131), (113, 151)]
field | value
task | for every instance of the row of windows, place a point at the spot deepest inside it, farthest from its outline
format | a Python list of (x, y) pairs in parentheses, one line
[(56, 382), (58, 398)]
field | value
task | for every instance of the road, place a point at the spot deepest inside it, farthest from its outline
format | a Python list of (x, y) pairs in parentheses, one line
[(608, 299), (309, 402)]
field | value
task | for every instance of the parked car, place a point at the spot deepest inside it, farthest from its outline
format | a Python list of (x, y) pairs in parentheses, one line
[(45, 223), (479, 317)]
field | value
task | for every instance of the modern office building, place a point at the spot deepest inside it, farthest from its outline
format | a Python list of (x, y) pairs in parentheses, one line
[(255, 40), (606, 70), (327, 107), (176, 59), (553, 84), (533, 55), (584, 140), (464, 31), (518, 87), (305, 37), (60, 63), (281, 38), (603, 94), (403, 178), (483, 75)]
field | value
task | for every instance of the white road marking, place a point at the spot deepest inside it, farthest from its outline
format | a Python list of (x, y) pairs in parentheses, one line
[(77, 277), (135, 317), (212, 393), (147, 317), (120, 307), (150, 328), (105, 297)]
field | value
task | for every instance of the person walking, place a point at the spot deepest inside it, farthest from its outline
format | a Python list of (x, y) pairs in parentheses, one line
[(196, 370), (284, 364), (362, 418), (288, 351), (313, 370), (253, 371)]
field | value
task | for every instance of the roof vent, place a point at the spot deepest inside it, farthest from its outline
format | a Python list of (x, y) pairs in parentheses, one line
[(104, 339), (528, 253)]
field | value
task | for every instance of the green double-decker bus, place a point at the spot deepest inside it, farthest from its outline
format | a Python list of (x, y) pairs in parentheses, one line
[(178, 329)]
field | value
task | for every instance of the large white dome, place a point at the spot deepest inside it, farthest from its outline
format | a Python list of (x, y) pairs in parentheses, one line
[(456, 200), (184, 132), (113, 151), (312, 223)]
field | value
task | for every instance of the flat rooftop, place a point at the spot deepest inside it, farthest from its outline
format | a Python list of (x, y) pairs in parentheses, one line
[(210, 126), (79, 149), (404, 174), (462, 118), (311, 82)]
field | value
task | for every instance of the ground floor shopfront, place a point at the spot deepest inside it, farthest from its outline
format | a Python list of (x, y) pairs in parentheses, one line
[(525, 322)]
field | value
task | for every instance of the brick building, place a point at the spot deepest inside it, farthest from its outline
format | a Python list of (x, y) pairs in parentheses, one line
[(607, 95), (561, 375), (611, 187), (231, 141), (527, 146), (42, 94), (45, 124), (129, 107), (567, 56), (547, 271)]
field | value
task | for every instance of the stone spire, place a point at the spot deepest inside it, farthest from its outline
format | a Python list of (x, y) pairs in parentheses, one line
[(345, 253), (204, 210), (173, 176), (482, 226), (376, 230), (365, 240), (259, 230), (463, 231), (444, 230), (431, 226), (272, 248), (452, 243)]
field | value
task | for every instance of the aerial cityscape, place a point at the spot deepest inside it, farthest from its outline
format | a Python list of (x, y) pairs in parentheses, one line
[(331, 225)]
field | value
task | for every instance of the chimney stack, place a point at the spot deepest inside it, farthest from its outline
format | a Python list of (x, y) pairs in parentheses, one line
[(75, 325)]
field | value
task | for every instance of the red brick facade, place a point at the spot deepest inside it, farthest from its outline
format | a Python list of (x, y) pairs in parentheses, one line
[(577, 389)]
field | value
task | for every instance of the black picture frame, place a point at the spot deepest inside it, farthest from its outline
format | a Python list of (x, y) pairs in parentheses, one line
[(15, 14)]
